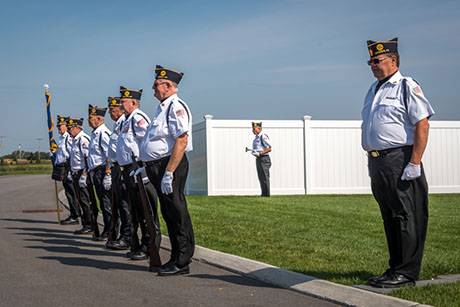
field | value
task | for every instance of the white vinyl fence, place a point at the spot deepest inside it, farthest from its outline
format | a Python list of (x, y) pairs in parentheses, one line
[(308, 157)]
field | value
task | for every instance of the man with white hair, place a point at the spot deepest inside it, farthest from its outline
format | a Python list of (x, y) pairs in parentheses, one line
[(163, 152)]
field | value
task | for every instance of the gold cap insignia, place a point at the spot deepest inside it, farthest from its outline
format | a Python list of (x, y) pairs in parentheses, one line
[(379, 47), (163, 73), (126, 94)]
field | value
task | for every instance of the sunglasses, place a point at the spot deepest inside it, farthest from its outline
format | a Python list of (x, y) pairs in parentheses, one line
[(376, 61)]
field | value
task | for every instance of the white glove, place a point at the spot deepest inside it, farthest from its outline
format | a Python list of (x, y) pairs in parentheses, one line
[(141, 171), (411, 172), (107, 182), (166, 183), (131, 173), (255, 153), (82, 181), (69, 177)]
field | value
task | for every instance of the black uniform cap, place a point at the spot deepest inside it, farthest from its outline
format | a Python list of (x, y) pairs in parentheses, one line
[(382, 47), (113, 102), (168, 74), (96, 111), (75, 122), (62, 120), (131, 94)]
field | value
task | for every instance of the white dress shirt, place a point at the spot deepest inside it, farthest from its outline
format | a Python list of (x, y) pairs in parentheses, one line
[(132, 132), (172, 119), (98, 147), (79, 151)]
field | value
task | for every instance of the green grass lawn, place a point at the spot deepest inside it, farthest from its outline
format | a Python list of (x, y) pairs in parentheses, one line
[(26, 169), (338, 238), (435, 295)]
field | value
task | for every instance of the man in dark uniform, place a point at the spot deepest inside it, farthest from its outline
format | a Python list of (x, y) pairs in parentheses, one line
[(63, 158), (97, 162), (395, 133), (113, 175), (261, 148), (163, 149), (78, 154), (131, 134)]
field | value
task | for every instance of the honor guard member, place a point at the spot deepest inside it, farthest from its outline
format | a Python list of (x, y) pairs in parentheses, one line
[(112, 180), (395, 134), (63, 159), (260, 148), (132, 132), (97, 160), (163, 150), (78, 152)]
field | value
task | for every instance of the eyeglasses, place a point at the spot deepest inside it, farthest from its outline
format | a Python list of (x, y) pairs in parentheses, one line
[(376, 61)]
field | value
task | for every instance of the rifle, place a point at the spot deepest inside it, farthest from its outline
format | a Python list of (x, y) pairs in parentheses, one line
[(52, 142), (92, 197), (151, 220), (113, 232)]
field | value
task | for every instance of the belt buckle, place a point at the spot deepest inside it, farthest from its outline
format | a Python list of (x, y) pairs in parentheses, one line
[(375, 154)]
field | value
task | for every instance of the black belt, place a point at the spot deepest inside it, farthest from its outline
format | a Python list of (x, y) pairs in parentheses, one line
[(261, 156), (379, 153), (158, 161)]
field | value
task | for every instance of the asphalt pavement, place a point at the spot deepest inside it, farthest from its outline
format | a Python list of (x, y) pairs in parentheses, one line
[(44, 264)]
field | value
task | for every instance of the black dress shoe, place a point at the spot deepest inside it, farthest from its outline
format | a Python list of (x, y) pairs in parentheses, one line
[(119, 245), (69, 221), (104, 235), (394, 280), (384, 276), (85, 230), (109, 244), (139, 255), (168, 264), (155, 269), (174, 270)]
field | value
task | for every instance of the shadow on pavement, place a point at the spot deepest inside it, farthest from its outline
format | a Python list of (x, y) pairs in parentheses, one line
[(233, 279), (41, 229), (98, 264), (55, 235), (29, 221), (77, 251), (65, 242)]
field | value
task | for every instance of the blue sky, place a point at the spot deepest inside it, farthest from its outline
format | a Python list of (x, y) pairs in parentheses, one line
[(241, 59)]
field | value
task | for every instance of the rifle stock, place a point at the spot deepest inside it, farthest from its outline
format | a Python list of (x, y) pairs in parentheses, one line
[(114, 221), (92, 196), (152, 226)]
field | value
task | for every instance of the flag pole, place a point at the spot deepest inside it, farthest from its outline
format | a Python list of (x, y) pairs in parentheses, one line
[(52, 143)]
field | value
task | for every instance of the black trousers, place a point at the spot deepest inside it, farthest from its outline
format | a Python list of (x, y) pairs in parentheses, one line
[(71, 198), (120, 198), (83, 198), (135, 205), (404, 208), (263, 164), (103, 195), (174, 209)]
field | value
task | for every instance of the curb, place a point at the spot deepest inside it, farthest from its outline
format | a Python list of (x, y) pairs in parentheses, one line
[(276, 276), (305, 284)]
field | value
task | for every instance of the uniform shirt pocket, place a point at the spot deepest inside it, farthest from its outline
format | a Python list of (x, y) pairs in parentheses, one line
[(389, 111)]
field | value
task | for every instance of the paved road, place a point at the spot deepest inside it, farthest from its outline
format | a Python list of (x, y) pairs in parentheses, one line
[(44, 264)]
